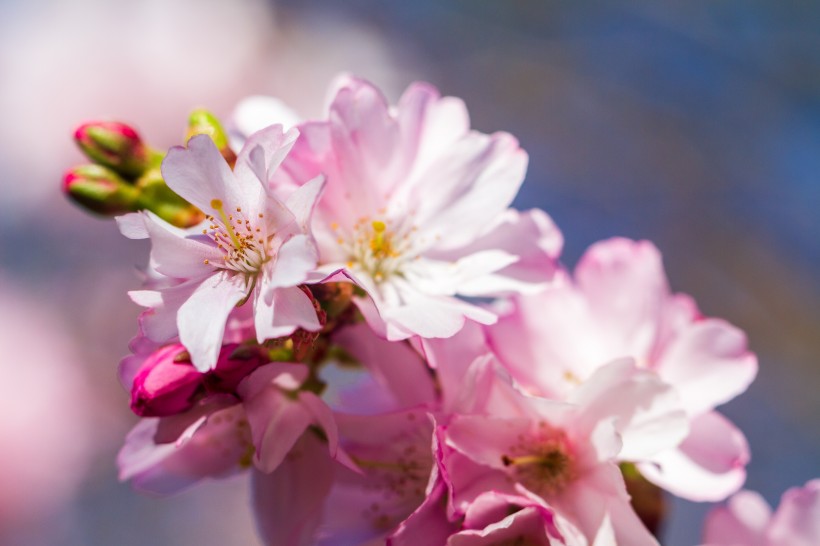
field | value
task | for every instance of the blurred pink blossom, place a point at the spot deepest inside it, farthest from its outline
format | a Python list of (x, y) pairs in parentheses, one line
[(46, 426), (747, 520)]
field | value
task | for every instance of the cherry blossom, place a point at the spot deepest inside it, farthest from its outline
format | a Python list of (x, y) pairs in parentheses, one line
[(748, 520), (563, 454), (416, 208), (251, 247), (618, 304)]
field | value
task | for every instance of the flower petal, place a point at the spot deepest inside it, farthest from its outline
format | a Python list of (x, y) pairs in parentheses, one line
[(287, 503), (295, 259), (709, 465), (201, 319), (200, 174), (742, 521), (709, 363)]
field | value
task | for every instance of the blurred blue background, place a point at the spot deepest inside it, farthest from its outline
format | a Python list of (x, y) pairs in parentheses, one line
[(695, 125)]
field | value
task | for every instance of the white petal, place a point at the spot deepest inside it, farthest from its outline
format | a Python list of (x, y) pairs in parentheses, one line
[(201, 319)]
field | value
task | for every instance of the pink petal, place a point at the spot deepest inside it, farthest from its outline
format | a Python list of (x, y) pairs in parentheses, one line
[(533, 238), (396, 366), (177, 253), (366, 144), (709, 465), (625, 286), (486, 439), (201, 319), (287, 503), (599, 500), (132, 225), (428, 520), (431, 316), (276, 423), (709, 363), (797, 520), (742, 521), (294, 260), (214, 449), (159, 323), (261, 155), (293, 309), (648, 412), (527, 526), (470, 182), (551, 327), (429, 124), (200, 174), (394, 453), (302, 201)]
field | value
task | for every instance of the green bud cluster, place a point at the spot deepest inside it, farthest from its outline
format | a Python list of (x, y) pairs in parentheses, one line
[(125, 174)]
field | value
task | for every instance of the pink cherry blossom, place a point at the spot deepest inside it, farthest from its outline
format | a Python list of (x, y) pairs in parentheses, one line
[(562, 454), (416, 209), (619, 304), (251, 248), (747, 519)]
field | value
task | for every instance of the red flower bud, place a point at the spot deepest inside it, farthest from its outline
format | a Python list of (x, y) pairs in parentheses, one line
[(114, 145), (100, 190), (166, 383)]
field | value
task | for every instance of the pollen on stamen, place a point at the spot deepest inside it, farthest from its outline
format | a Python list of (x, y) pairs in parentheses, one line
[(206, 261), (216, 204)]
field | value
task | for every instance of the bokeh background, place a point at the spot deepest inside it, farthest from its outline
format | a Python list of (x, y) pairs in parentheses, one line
[(695, 125)]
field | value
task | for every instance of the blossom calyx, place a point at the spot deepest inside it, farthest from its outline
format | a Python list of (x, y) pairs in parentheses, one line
[(100, 190), (114, 145)]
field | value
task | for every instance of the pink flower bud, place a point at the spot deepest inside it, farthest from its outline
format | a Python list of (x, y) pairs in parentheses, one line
[(114, 145), (166, 383), (100, 190)]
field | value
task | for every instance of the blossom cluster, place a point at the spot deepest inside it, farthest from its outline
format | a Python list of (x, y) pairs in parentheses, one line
[(349, 310)]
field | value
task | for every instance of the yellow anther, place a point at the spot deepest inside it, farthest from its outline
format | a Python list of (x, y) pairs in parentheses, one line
[(378, 226), (217, 205)]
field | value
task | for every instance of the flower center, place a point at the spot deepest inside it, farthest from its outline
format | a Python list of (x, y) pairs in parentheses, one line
[(377, 248), (543, 463), (244, 243)]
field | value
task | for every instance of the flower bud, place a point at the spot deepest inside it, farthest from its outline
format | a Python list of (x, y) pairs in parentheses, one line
[(114, 145), (202, 122), (100, 190), (165, 384)]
